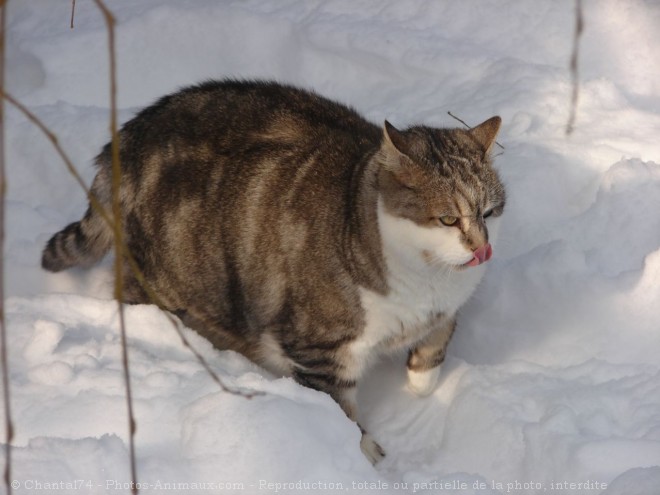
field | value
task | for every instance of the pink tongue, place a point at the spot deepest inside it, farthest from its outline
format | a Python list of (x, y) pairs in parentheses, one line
[(481, 255)]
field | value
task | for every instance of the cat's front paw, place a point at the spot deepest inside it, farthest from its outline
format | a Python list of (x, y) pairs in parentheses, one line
[(371, 449), (422, 383)]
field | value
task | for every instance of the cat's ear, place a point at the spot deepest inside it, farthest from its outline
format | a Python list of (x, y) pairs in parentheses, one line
[(396, 139), (394, 154), (486, 132)]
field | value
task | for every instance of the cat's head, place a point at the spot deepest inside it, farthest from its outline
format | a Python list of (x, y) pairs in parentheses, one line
[(439, 197)]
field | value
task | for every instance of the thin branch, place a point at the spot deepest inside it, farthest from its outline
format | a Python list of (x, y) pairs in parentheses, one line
[(460, 120), (120, 248), (9, 428), (155, 299), (579, 28), (96, 205), (65, 158), (177, 326), (466, 125), (118, 236), (123, 252), (73, 11)]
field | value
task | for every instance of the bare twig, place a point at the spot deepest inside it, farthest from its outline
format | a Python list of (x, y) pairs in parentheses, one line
[(118, 236), (460, 120), (579, 28), (73, 11), (177, 326), (469, 127), (65, 158), (131, 260), (121, 249), (9, 428)]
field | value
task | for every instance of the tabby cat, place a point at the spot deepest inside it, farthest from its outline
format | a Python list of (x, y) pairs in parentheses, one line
[(284, 226)]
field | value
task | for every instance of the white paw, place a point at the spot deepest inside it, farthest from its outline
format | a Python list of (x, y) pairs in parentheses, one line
[(371, 449), (422, 383)]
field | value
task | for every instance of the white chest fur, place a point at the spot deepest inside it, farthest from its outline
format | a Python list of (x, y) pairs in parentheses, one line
[(419, 292)]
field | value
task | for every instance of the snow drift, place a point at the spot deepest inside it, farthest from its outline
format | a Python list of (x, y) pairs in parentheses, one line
[(552, 383)]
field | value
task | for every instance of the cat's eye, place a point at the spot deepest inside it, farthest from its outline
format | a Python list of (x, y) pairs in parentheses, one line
[(448, 220), (487, 213)]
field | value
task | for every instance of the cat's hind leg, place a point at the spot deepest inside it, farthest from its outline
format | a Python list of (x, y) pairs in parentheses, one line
[(424, 360), (370, 448), (344, 392), (132, 290)]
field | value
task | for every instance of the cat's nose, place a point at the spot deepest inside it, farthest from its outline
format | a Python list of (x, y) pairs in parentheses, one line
[(481, 255)]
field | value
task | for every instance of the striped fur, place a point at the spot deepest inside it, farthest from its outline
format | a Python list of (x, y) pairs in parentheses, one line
[(86, 241), (284, 226)]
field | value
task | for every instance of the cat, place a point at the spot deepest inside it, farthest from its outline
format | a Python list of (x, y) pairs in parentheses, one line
[(285, 226)]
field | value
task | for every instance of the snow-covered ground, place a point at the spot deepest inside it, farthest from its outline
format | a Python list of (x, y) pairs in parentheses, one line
[(553, 376)]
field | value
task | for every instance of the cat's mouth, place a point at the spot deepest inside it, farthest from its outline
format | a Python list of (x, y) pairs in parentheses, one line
[(480, 255)]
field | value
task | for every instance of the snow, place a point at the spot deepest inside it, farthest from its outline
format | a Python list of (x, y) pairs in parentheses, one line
[(552, 382)]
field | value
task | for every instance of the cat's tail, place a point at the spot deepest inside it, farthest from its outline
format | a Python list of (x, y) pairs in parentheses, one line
[(83, 242)]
